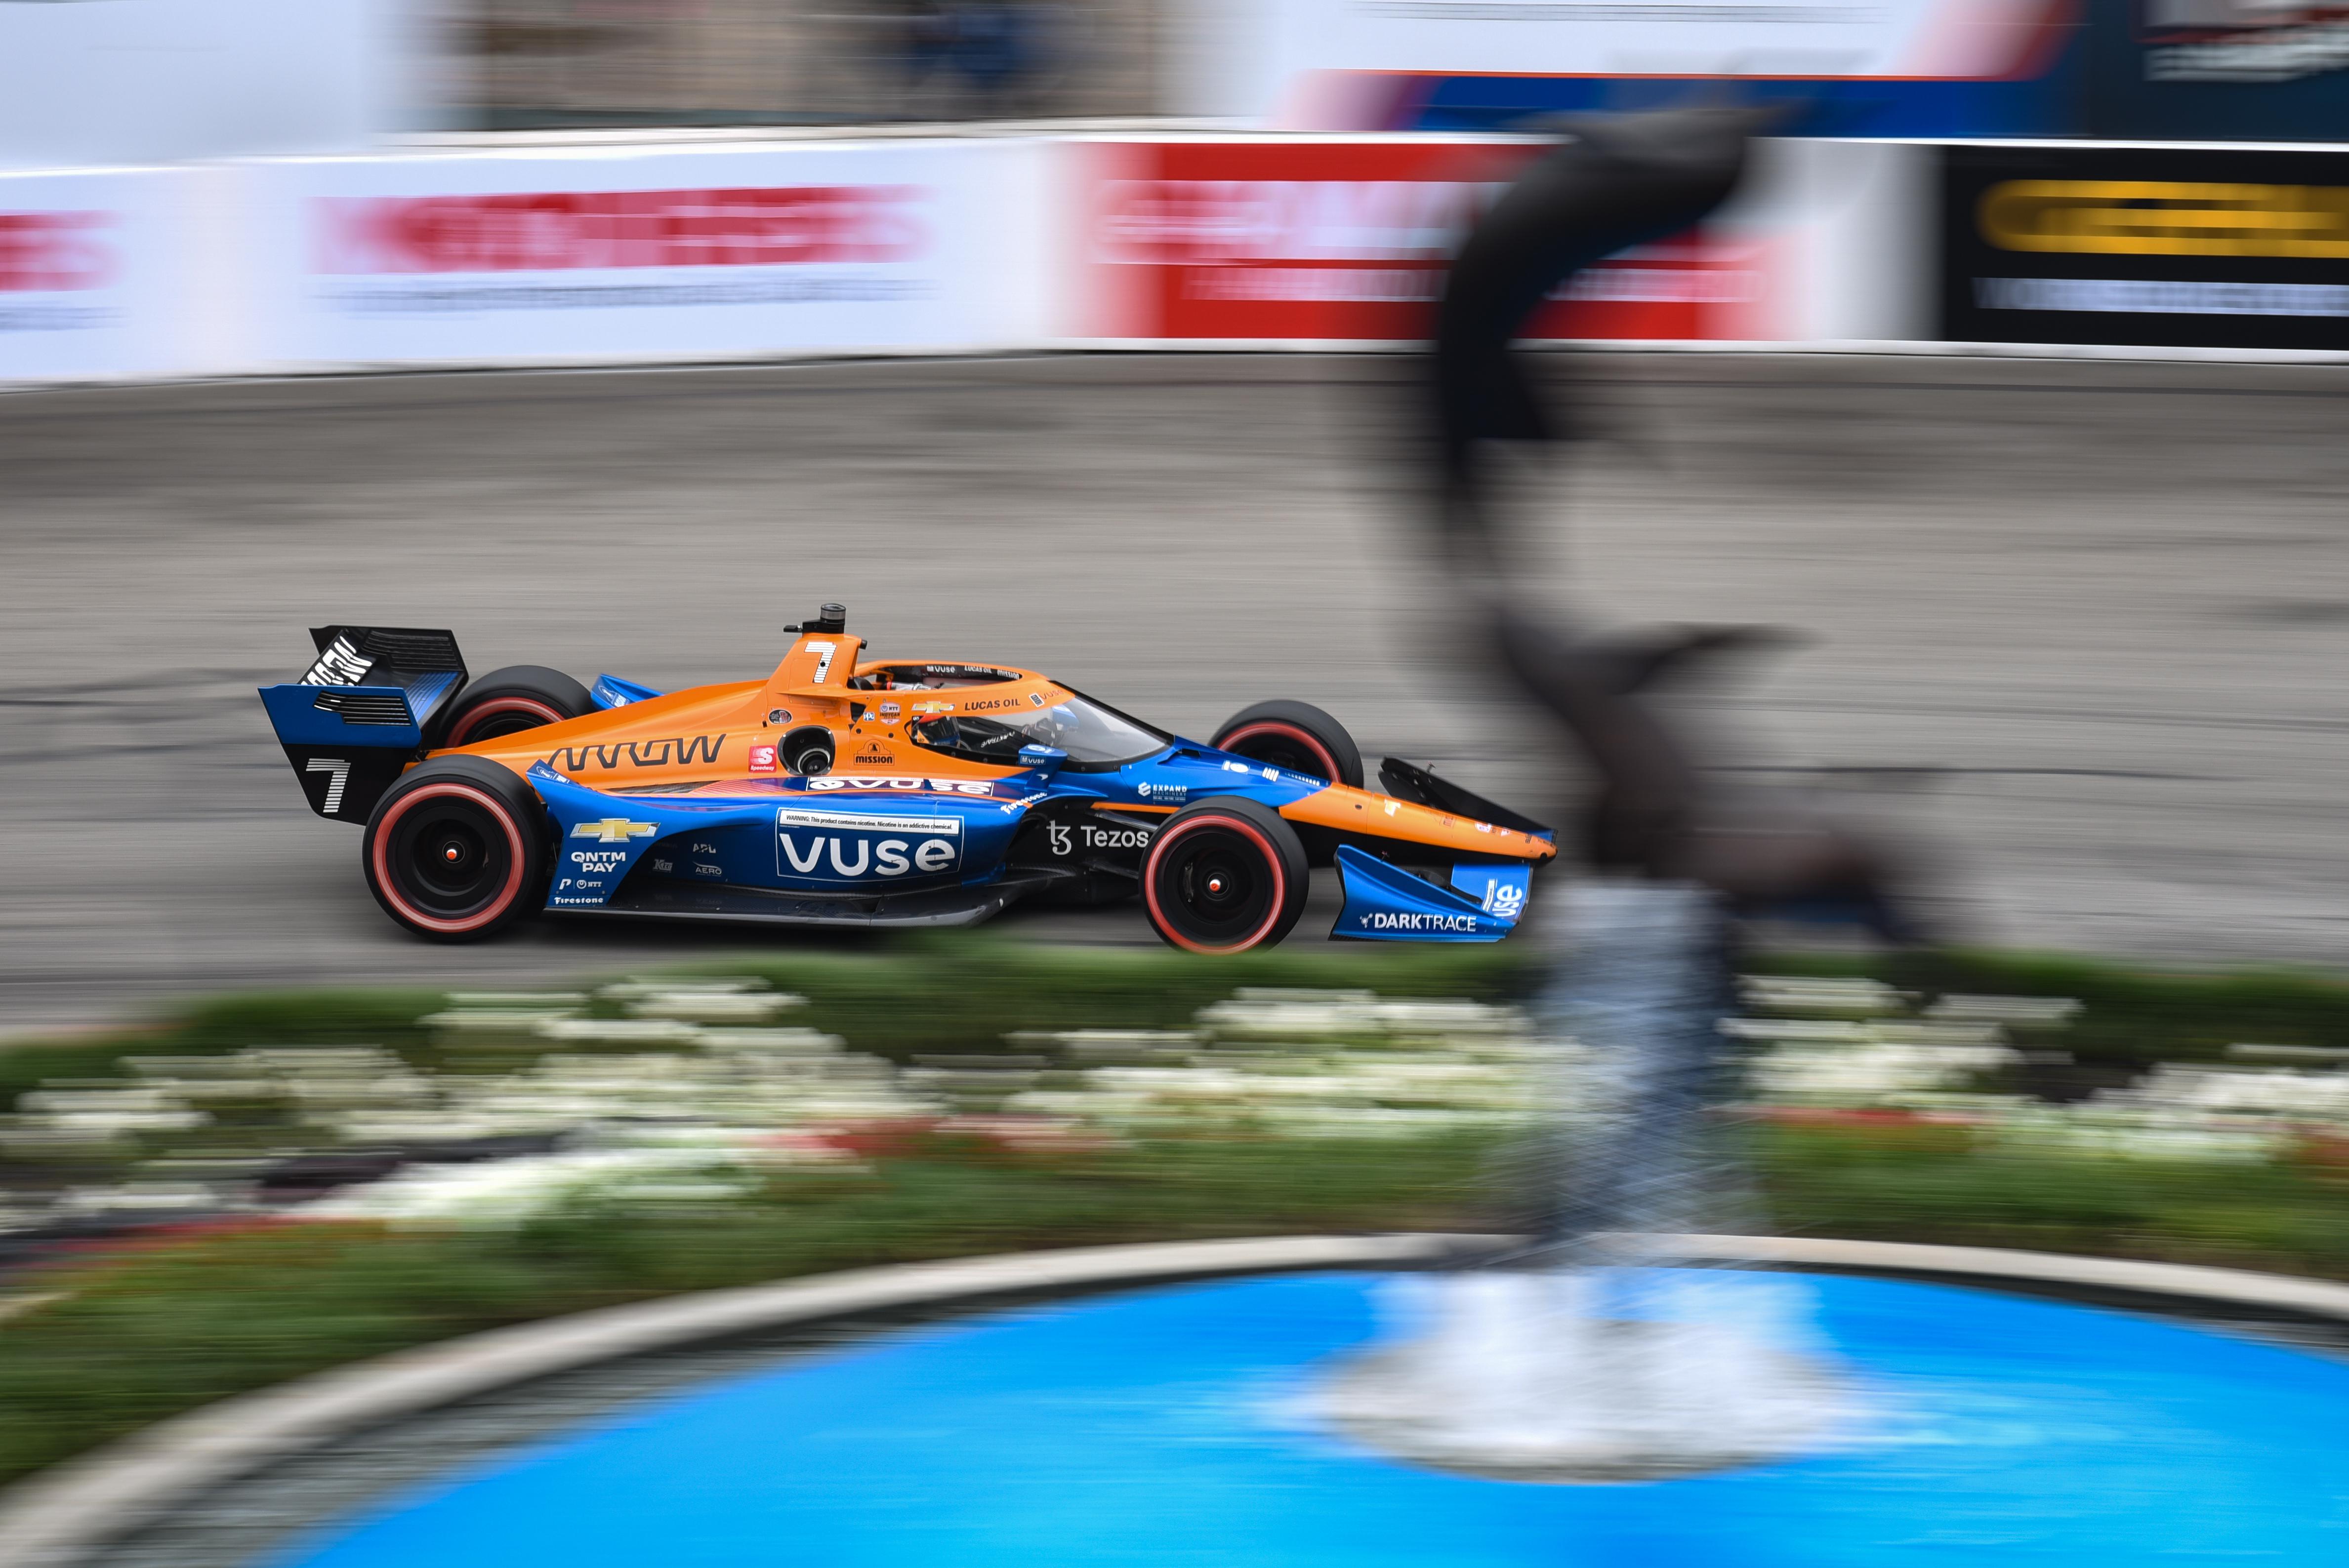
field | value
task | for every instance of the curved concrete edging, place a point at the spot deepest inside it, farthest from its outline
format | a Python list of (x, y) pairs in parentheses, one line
[(2184, 1282), (65, 1515)]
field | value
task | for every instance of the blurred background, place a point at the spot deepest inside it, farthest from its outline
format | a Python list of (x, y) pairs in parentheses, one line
[(1085, 334)]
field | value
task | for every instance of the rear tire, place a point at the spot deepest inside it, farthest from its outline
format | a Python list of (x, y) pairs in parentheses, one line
[(1223, 876), (1296, 736), (508, 701), (457, 849)]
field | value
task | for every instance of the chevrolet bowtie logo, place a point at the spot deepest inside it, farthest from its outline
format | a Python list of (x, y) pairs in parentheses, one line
[(613, 831)]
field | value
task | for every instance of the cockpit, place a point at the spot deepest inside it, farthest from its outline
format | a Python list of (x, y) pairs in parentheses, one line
[(1096, 737), (930, 677)]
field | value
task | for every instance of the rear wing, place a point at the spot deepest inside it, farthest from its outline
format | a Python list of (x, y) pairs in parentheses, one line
[(360, 714)]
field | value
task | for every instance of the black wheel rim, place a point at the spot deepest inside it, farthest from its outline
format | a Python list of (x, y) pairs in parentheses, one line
[(449, 857), (1214, 886)]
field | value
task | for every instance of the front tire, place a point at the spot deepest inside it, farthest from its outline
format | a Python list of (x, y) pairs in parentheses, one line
[(1223, 876), (508, 701), (457, 849), (1296, 736)]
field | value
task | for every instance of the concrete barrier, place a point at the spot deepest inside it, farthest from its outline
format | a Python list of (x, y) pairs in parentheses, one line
[(594, 252)]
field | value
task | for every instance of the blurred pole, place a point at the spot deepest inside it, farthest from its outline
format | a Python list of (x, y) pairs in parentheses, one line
[(1641, 981)]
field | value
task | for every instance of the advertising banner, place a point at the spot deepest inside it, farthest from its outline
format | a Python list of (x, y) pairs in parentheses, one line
[(1290, 240), (1898, 68), (2157, 247), (2217, 70), (701, 252), (94, 268)]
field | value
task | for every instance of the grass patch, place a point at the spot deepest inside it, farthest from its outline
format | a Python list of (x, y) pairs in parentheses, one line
[(146, 1334), (1895, 1186), (946, 993), (2131, 1018)]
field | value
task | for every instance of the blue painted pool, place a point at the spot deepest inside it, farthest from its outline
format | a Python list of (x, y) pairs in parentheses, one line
[(1158, 1429)]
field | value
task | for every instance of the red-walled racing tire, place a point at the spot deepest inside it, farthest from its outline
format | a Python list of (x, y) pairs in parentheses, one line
[(1224, 875), (1296, 736), (457, 849), (504, 702)]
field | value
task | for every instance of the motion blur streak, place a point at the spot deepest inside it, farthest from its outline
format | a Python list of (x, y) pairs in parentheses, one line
[(2075, 622)]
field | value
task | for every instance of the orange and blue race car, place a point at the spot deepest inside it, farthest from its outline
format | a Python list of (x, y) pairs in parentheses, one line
[(845, 790)]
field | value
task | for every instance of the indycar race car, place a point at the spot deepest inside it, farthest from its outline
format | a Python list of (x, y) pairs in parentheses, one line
[(847, 790)]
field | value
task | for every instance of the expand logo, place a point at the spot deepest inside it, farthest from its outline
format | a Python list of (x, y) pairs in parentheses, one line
[(1162, 791), (41, 251), (842, 847), (559, 230), (682, 752)]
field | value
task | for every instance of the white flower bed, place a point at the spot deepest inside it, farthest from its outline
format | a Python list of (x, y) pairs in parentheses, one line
[(2194, 1112), (698, 1094), (1301, 1064), (490, 1195)]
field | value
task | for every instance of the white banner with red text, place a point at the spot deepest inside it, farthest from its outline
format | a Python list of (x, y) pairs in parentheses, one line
[(609, 256), (103, 274), (604, 255)]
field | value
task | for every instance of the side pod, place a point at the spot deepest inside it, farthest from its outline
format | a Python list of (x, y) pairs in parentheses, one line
[(1387, 903)]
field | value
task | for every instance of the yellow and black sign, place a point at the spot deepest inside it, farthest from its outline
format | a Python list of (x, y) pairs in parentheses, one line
[(2166, 218), (2187, 247)]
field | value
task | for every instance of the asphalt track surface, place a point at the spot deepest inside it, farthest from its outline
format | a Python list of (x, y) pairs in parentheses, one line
[(2073, 630)]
